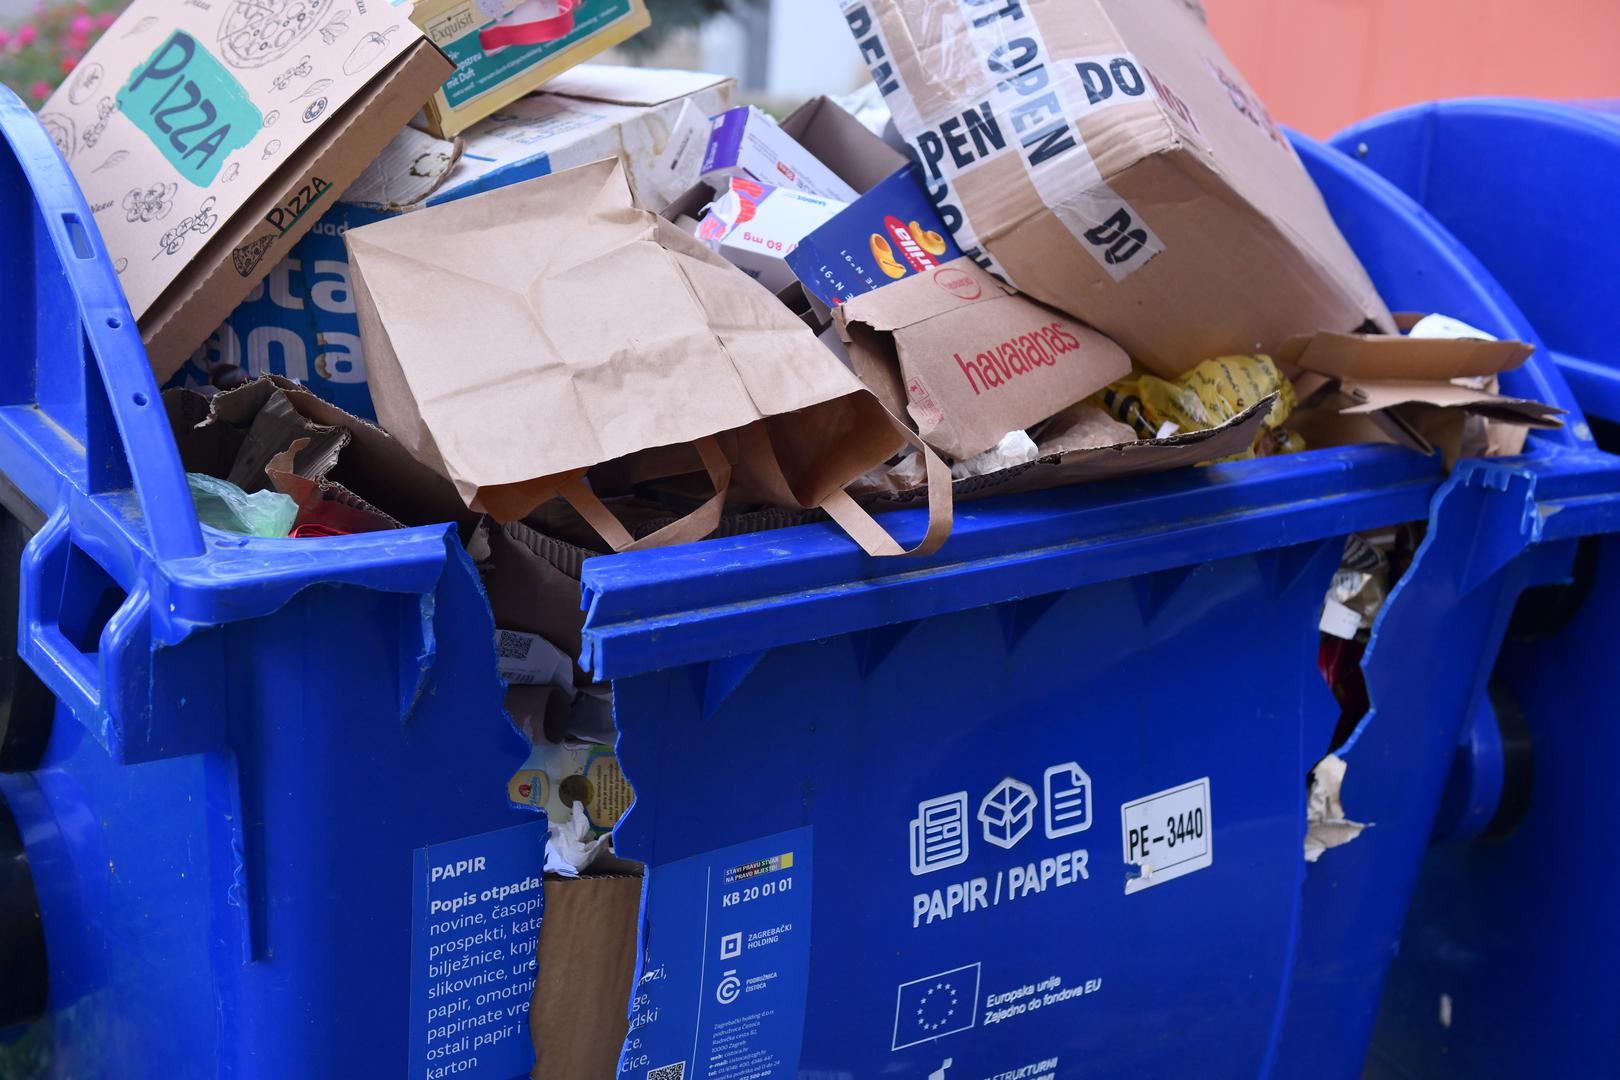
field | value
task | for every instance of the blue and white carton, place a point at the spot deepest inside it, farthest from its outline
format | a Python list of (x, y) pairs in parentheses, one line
[(300, 322)]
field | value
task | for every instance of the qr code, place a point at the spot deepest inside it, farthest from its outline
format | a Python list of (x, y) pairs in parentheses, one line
[(515, 646), (676, 1071)]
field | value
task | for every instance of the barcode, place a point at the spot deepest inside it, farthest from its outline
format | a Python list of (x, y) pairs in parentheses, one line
[(676, 1071), (514, 646)]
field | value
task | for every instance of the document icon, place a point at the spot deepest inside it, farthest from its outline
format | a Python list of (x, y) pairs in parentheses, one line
[(1068, 800), (939, 833)]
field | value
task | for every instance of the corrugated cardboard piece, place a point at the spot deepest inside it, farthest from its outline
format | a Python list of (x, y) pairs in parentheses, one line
[(1414, 390), (1105, 157), (519, 397), (1088, 450), (969, 361), (587, 964), (208, 139), (1390, 356)]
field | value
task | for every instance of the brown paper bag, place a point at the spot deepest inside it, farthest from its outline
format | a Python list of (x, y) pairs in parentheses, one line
[(518, 338)]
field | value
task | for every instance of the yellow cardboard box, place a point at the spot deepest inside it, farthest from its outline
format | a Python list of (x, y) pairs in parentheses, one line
[(486, 81)]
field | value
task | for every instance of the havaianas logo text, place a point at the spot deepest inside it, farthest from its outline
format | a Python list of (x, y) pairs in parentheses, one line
[(1021, 355), (191, 107)]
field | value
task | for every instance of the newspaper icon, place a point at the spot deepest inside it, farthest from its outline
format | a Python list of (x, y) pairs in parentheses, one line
[(939, 833), (1068, 800)]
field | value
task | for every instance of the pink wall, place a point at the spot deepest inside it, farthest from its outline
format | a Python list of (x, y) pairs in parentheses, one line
[(1321, 64)]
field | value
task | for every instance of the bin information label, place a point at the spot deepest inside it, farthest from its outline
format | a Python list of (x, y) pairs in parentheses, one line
[(1167, 835), (475, 927), (735, 1010)]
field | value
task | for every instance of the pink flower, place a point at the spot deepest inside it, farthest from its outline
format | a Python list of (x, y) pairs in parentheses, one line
[(69, 63), (40, 89), (82, 24), (106, 19), (5, 37), (26, 34)]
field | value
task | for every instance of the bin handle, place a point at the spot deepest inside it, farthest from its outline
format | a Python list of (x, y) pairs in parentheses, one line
[(115, 413), (73, 675)]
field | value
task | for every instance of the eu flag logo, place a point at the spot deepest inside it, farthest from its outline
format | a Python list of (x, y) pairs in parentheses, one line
[(937, 1005)]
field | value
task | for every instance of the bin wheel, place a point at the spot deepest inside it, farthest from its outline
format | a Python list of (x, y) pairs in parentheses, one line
[(22, 932), (1545, 610), (27, 706)]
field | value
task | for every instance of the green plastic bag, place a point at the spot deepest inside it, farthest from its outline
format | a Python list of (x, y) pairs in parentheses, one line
[(227, 507)]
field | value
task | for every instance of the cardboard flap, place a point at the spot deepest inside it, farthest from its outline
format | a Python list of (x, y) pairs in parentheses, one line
[(613, 84), (1372, 396), (843, 144), (953, 287), (1387, 356), (1136, 458), (972, 361)]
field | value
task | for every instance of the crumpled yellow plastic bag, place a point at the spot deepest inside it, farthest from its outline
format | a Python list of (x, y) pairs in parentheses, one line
[(1207, 396)]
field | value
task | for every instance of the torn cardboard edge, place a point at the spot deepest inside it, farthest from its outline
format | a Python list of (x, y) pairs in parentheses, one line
[(399, 490), (1365, 357), (1325, 824), (579, 1015), (1104, 462), (249, 244)]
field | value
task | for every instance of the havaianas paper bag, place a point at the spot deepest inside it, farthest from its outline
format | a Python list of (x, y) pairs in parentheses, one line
[(517, 338)]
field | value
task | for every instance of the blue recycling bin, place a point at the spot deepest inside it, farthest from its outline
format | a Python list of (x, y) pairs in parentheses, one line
[(949, 817), (1502, 971), (876, 851)]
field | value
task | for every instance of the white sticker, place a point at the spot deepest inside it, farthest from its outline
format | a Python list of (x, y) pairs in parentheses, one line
[(1167, 835), (680, 166), (1339, 621)]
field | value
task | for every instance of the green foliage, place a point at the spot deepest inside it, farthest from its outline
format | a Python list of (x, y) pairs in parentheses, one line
[(38, 52)]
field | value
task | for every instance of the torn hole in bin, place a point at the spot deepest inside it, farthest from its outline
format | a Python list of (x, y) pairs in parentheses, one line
[(1325, 823)]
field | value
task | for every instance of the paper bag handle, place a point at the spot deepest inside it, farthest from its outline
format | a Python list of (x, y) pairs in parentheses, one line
[(873, 538), (535, 32), (694, 526)]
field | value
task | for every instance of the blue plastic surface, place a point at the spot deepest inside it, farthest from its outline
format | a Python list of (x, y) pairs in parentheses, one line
[(1505, 937), (1429, 660), (1529, 187), (1157, 634), (260, 751), (254, 738)]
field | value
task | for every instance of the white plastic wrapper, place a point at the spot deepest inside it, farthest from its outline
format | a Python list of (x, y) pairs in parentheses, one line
[(570, 849), (1015, 448)]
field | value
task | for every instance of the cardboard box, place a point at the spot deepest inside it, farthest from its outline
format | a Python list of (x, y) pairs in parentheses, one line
[(856, 156), (756, 227), (580, 1013), (1106, 158), (746, 143), (969, 361), (888, 233), (485, 81), (300, 321), (208, 140)]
